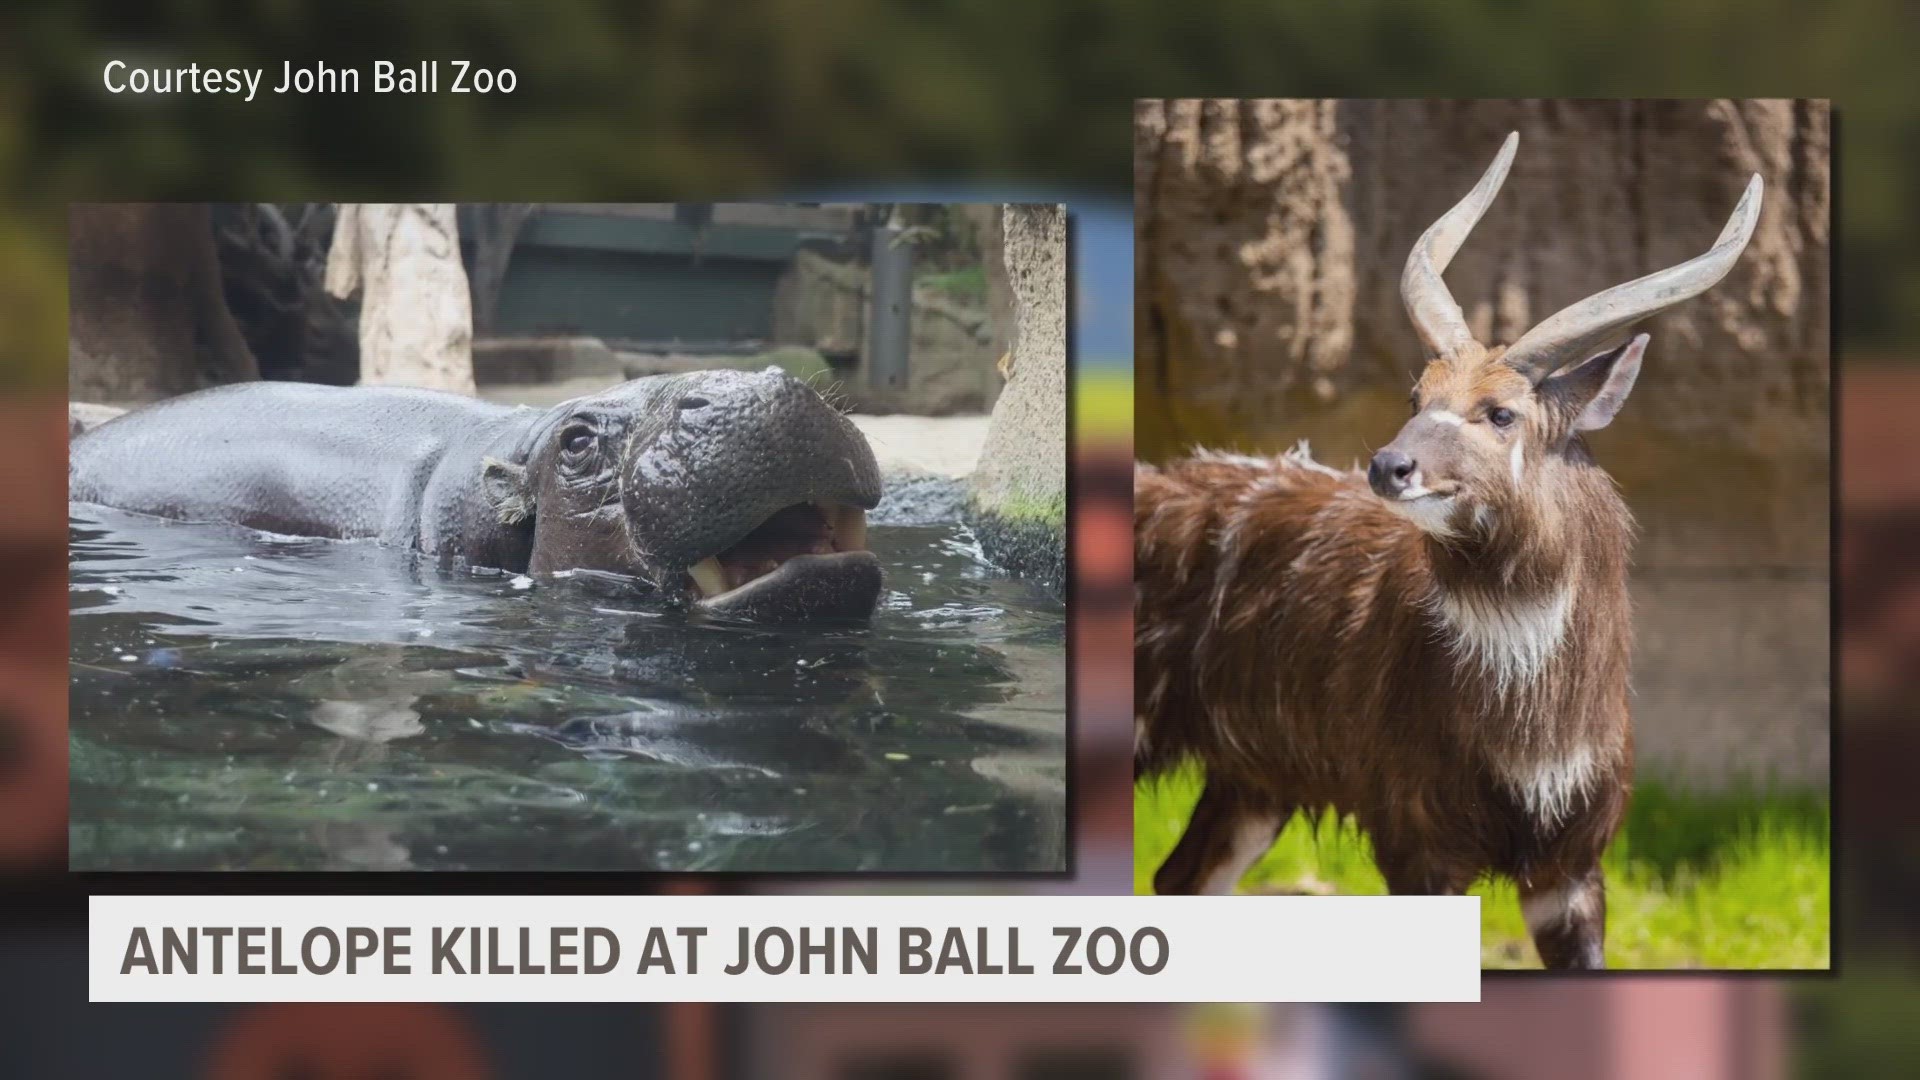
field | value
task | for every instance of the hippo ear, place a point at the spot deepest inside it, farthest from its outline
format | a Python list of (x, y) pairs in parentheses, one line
[(507, 490)]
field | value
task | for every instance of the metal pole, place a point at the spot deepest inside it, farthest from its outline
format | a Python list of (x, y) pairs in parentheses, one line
[(890, 323)]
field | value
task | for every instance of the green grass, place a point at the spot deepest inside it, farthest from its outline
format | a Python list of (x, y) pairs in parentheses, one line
[(1721, 881)]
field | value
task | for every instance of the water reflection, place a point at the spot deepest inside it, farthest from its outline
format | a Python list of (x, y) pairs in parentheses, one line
[(254, 702)]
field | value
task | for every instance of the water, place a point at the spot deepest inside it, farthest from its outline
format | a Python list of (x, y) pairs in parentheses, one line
[(254, 702)]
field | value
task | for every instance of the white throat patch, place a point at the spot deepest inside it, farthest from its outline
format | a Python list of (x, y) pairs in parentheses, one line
[(1550, 788), (1510, 641)]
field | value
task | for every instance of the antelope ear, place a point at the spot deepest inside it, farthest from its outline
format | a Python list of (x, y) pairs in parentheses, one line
[(506, 489), (1598, 386)]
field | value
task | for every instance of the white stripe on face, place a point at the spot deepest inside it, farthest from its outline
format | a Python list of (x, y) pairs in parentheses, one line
[(1442, 416), (1518, 459)]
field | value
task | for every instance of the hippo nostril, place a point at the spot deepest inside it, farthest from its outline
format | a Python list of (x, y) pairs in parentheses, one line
[(693, 401)]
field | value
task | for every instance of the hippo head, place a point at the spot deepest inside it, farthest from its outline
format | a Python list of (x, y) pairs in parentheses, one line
[(741, 493)]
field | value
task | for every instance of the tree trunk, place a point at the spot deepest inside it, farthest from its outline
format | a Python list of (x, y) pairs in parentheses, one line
[(146, 317), (1017, 503), (491, 230), (1000, 311), (416, 316)]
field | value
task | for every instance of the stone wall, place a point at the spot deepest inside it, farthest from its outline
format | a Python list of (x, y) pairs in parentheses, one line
[(1271, 237), (822, 305)]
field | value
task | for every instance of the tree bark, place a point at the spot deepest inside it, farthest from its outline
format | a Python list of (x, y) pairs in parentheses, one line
[(1000, 310), (416, 315), (146, 316), (1017, 502)]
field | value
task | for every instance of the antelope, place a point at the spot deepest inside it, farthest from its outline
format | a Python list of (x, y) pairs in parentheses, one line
[(1438, 647)]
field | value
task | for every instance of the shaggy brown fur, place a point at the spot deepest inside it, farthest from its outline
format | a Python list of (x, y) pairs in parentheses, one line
[(1456, 680), (1439, 649)]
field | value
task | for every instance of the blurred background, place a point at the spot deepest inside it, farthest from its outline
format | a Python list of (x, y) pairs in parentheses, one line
[(970, 102), (1270, 240), (565, 297)]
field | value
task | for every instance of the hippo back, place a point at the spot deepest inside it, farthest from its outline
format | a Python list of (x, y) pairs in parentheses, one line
[(401, 465)]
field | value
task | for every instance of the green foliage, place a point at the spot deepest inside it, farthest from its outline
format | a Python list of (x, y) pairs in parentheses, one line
[(1734, 880)]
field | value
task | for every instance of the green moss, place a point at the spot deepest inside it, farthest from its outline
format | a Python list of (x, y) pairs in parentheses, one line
[(1051, 512), (1024, 536)]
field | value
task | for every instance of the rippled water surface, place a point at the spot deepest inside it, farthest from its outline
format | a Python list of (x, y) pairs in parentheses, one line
[(253, 702)]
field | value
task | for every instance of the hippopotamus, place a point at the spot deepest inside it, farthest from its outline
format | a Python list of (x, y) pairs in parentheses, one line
[(733, 492)]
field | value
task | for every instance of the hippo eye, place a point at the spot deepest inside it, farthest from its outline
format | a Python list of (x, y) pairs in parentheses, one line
[(578, 441), (1501, 416)]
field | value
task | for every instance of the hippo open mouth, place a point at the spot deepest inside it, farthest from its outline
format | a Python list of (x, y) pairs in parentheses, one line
[(746, 494), (806, 561)]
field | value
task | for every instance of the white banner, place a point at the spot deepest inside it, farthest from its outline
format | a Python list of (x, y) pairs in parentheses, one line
[(784, 948)]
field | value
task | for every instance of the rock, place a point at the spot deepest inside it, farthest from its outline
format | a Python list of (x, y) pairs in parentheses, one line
[(1271, 235), (520, 360), (804, 364), (1018, 499), (147, 318), (822, 306), (911, 497), (83, 416)]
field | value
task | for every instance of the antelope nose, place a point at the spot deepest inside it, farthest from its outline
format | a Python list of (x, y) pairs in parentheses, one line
[(1389, 473)]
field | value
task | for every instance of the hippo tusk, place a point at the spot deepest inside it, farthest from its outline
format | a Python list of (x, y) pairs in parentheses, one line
[(849, 527), (710, 576)]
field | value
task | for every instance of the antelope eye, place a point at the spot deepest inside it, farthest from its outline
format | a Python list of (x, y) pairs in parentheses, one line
[(1500, 417)]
